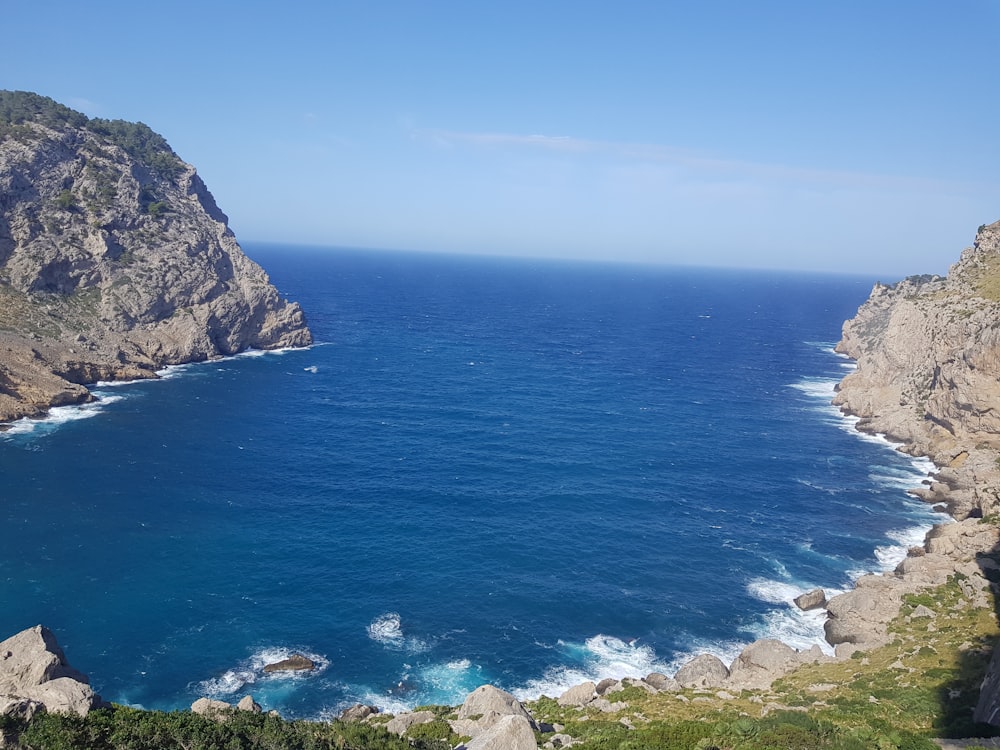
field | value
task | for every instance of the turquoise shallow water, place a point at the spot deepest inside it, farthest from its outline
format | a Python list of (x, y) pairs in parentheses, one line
[(517, 472)]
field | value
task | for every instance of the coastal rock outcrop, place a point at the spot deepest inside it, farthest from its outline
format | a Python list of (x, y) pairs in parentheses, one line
[(115, 260), (928, 360), (928, 376), (35, 676)]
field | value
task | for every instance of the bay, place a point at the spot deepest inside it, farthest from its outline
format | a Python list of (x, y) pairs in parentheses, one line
[(520, 472)]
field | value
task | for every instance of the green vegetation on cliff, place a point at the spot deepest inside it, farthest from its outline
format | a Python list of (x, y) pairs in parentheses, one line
[(137, 139)]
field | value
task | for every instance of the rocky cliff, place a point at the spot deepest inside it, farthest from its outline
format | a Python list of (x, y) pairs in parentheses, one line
[(928, 373), (928, 376), (114, 260)]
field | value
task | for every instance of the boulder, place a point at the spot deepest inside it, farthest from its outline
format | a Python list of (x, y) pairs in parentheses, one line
[(661, 682), (294, 663), (607, 684), (815, 599), (641, 684), (33, 670), (510, 732), (487, 698), (761, 663), (561, 740), (703, 671), (247, 703), (578, 695), (401, 722), (861, 616), (604, 705), (213, 709), (358, 712)]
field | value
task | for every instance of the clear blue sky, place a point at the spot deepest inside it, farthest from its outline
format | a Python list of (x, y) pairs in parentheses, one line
[(856, 135)]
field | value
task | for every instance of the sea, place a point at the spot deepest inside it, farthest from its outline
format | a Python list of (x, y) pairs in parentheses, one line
[(528, 473)]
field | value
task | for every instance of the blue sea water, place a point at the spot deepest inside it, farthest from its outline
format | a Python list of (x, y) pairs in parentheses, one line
[(527, 473)]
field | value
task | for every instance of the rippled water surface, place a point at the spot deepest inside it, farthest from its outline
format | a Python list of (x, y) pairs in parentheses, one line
[(517, 472)]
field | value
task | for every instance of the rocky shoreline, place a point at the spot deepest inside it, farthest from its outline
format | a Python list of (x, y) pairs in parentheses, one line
[(928, 377), (928, 364)]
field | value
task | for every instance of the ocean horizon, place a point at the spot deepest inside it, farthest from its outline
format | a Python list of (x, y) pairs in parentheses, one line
[(485, 470)]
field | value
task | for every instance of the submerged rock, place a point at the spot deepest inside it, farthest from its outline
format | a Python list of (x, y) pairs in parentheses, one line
[(294, 663)]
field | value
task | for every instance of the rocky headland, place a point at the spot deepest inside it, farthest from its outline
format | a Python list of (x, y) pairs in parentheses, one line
[(115, 261)]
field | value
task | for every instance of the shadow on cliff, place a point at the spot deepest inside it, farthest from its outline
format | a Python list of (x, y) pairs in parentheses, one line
[(974, 692)]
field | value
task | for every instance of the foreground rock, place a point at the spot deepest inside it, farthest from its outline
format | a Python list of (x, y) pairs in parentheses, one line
[(703, 671), (508, 733), (34, 676), (484, 707), (114, 261)]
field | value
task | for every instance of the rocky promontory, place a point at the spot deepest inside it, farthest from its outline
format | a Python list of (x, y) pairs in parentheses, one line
[(114, 260), (928, 373)]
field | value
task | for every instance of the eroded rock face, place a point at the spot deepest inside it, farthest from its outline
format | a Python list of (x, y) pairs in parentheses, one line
[(928, 376), (34, 675), (928, 356), (114, 261)]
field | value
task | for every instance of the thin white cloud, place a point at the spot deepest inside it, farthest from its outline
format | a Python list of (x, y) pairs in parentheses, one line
[(710, 167)]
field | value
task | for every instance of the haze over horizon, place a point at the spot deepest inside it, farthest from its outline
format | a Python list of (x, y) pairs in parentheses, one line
[(855, 137)]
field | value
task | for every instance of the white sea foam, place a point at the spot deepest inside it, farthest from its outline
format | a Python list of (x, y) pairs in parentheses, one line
[(264, 352), (818, 388), (788, 623), (251, 671), (59, 415), (600, 657), (890, 555), (387, 629)]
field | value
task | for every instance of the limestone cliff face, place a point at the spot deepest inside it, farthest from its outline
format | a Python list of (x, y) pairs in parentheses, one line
[(114, 260), (928, 372)]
